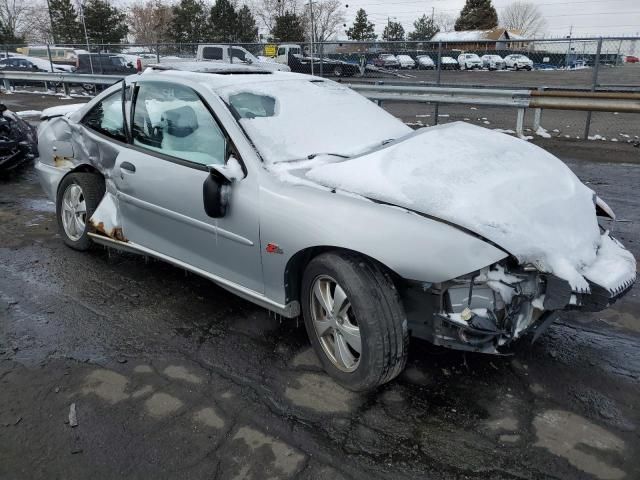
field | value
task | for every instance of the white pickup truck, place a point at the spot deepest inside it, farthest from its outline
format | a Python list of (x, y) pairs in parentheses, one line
[(236, 54)]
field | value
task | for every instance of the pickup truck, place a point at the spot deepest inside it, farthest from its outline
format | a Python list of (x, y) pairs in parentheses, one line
[(236, 54), (291, 55)]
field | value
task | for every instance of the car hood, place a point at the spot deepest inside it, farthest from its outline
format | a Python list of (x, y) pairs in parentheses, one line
[(509, 191)]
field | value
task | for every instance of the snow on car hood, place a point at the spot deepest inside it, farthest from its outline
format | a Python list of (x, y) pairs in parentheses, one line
[(507, 190)]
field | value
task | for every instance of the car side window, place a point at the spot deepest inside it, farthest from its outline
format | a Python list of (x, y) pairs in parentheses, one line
[(212, 53), (173, 120), (237, 53), (106, 117)]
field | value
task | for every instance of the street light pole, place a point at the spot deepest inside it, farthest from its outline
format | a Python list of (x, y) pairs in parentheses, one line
[(312, 32)]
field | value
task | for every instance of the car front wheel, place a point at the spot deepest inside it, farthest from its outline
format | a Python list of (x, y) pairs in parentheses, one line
[(355, 320), (78, 197)]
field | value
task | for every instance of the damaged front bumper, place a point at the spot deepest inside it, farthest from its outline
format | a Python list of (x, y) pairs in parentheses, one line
[(489, 309)]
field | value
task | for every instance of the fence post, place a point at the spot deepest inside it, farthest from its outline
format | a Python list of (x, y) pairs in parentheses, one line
[(158, 52), (594, 84), (437, 109), (520, 123), (67, 92), (537, 115), (321, 49)]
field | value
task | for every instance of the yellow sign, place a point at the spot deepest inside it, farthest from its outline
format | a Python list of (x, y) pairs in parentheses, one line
[(270, 50)]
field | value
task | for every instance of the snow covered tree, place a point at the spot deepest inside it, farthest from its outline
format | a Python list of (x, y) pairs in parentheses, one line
[(189, 23), (328, 15), (393, 31), (288, 28), (104, 23), (425, 28), (477, 15), (150, 21), (223, 21), (65, 27), (247, 31), (524, 18), (362, 29)]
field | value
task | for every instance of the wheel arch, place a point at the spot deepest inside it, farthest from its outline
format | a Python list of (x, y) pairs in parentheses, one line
[(298, 262), (82, 168)]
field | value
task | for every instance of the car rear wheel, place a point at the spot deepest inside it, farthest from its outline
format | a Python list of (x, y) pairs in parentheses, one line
[(78, 197), (355, 320), (337, 71)]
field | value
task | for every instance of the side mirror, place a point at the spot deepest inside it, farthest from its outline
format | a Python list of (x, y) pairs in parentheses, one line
[(216, 191)]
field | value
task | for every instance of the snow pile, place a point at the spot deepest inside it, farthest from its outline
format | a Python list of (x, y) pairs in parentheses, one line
[(28, 113), (511, 192), (613, 266), (541, 132), (311, 116)]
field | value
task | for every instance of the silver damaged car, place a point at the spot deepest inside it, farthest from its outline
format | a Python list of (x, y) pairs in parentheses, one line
[(302, 196)]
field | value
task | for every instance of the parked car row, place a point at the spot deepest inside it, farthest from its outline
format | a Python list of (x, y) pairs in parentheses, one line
[(465, 61)]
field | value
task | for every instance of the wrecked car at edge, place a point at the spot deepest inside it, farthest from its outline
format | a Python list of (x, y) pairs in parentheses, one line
[(18, 143)]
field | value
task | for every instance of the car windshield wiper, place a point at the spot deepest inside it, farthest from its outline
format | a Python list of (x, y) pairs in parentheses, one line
[(314, 155)]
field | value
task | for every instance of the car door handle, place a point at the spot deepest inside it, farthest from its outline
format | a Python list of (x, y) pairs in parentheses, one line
[(128, 166)]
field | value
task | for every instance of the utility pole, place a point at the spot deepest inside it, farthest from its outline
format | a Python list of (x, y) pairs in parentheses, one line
[(566, 58), (86, 37), (53, 32), (312, 32)]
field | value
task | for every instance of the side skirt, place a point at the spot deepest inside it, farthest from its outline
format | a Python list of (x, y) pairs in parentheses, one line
[(290, 310)]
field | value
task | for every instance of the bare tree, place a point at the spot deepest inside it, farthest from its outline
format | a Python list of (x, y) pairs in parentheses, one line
[(444, 21), (266, 11), (17, 16), (39, 30), (524, 18), (149, 21), (328, 17)]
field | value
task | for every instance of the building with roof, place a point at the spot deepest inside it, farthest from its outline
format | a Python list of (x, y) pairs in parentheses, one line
[(495, 39)]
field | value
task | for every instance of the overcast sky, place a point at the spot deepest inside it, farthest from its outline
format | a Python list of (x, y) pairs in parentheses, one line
[(588, 17)]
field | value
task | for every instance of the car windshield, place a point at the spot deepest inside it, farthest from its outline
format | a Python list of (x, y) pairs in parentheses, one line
[(292, 119)]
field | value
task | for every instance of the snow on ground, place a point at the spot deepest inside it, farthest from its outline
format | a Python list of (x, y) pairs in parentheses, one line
[(541, 132), (504, 189)]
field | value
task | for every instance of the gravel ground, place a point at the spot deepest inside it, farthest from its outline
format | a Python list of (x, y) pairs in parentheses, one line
[(172, 376)]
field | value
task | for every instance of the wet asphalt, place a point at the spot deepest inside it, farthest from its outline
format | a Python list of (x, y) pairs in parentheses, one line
[(173, 377)]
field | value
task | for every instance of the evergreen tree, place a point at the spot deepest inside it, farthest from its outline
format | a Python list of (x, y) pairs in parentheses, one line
[(104, 23), (477, 15), (223, 21), (247, 30), (362, 28), (425, 28), (189, 23), (65, 27), (288, 27), (393, 31)]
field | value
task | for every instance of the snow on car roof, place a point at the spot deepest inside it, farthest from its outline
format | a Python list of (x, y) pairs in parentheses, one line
[(208, 67)]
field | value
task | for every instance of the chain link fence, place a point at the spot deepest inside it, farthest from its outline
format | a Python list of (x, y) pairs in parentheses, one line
[(582, 64)]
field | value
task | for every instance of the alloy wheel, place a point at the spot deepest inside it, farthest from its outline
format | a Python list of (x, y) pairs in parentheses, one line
[(74, 212), (335, 323)]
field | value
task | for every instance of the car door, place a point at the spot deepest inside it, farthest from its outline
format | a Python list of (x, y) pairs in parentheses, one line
[(160, 179)]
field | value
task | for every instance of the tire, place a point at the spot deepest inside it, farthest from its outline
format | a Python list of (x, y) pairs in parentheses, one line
[(91, 190), (373, 308), (337, 71)]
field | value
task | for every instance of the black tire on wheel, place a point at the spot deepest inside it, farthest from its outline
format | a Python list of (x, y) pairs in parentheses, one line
[(93, 189), (378, 312), (337, 71)]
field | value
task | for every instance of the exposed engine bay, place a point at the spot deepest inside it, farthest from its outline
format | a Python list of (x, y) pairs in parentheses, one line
[(487, 310), (18, 141)]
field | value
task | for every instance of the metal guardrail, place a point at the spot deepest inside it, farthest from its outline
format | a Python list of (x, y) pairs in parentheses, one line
[(538, 100), (622, 102)]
